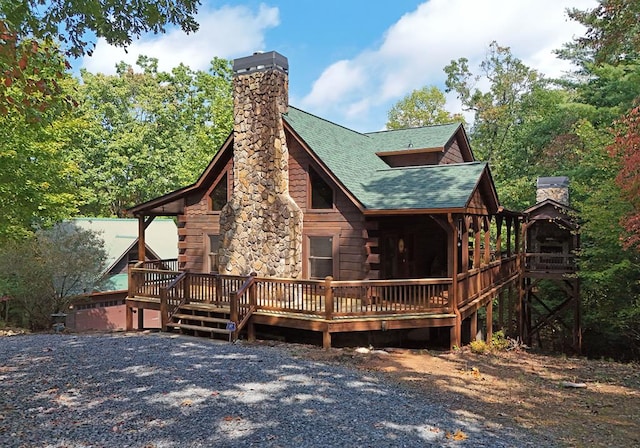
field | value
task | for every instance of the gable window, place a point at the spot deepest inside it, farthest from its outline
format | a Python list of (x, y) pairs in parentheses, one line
[(218, 196), (320, 257), (214, 249), (321, 192)]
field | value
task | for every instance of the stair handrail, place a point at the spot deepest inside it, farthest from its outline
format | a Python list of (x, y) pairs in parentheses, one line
[(240, 314), (167, 312)]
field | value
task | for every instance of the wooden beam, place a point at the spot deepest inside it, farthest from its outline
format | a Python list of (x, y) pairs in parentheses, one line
[(455, 334), (141, 240), (489, 321), (473, 326)]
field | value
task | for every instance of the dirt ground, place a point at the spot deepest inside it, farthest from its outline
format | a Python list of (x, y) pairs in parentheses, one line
[(526, 389)]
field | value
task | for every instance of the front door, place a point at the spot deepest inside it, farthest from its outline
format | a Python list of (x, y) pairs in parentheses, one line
[(396, 256)]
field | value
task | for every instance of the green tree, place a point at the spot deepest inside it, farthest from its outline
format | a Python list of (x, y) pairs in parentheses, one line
[(43, 273), (151, 132), (613, 30), (37, 174), (422, 107), (72, 23), (497, 110)]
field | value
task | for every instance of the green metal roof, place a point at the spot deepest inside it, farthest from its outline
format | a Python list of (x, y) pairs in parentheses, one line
[(351, 157)]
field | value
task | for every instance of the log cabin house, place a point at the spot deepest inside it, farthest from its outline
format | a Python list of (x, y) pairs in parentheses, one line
[(301, 223)]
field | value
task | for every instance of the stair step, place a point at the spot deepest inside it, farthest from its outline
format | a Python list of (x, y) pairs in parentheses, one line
[(204, 307), (214, 320), (199, 328)]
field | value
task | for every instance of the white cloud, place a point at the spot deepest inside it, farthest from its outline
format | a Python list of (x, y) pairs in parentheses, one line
[(415, 49), (226, 32)]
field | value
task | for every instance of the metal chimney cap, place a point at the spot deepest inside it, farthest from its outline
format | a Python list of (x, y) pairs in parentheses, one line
[(553, 182), (259, 62)]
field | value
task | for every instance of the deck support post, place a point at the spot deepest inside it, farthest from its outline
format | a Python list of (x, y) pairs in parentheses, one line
[(455, 333), (140, 318), (164, 309), (326, 339), (128, 318), (473, 326), (489, 321)]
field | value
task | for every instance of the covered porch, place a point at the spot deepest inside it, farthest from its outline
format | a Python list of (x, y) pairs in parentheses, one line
[(234, 305)]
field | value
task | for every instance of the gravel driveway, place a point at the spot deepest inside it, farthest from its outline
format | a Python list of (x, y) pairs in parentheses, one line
[(159, 390)]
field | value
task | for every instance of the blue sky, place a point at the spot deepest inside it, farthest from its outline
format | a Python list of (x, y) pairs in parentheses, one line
[(351, 60)]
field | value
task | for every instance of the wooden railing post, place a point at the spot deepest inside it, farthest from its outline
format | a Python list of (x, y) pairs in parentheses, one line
[(218, 296), (130, 282), (186, 288), (233, 306), (328, 298), (164, 310), (253, 305)]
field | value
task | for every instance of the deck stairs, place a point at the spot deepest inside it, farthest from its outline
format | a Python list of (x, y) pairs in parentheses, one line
[(197, 320)]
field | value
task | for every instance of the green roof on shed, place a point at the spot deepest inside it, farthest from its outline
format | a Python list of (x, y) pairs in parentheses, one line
[(351, 157)]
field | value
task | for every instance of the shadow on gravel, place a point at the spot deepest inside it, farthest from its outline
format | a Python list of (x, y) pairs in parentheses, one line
[(166, 391)]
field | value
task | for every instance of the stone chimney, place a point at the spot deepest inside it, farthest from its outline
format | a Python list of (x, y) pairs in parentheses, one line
[(261, 225), (556, 188)]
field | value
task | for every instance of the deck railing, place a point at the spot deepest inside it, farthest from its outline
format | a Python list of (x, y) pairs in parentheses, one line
[(476, 283), (149, 281), (371, 297), (327, 299), (550, 262), (172, 297)]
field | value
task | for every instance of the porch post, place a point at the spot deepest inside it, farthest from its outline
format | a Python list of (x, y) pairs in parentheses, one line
[(499, 237), (476, 243), (455, 333), (141, 242), (509, 222), (487, 240)]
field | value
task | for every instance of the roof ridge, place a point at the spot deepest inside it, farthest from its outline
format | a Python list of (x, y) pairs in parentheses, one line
[(414, 128), (326, 121), (413, 167)]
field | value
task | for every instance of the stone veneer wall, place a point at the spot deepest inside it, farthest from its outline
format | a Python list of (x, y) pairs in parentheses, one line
[(261, 225), (558, 194)]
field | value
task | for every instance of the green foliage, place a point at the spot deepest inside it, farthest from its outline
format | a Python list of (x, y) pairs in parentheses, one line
[(44, 272), (37, 176), (116, 22), (149, 132), (499, 342), (423, 107), (498, 110), (479, 347), (613, 30)]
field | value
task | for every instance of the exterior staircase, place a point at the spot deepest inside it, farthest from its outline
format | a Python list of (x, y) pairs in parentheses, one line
[(197, 320)]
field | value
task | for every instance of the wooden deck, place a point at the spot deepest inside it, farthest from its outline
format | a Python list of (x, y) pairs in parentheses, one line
[(325, 306)]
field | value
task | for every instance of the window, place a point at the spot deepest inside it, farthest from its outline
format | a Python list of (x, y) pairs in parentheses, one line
[(321, 192), (214, 249), (320, 256), (218, 196)]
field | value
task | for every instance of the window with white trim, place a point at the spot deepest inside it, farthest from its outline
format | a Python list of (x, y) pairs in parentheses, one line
[(320, 257)]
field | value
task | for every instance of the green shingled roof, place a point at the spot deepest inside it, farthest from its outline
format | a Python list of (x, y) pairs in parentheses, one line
[(414, 138), (351, 157)]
